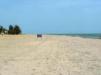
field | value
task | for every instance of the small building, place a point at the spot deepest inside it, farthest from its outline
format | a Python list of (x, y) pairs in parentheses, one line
[(5, 32)]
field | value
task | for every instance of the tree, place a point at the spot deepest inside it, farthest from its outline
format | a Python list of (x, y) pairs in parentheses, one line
[(17, 29), (11, 29), (1, 29)]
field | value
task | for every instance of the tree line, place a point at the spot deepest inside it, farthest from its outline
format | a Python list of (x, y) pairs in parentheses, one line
[(13, 30)]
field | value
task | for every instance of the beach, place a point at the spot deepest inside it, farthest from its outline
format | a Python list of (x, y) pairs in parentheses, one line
[(49, 55)]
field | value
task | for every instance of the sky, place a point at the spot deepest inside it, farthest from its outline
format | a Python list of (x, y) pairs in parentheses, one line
[(52, 16)]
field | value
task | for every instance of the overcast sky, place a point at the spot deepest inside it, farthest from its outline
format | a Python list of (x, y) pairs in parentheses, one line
[(52, 16)]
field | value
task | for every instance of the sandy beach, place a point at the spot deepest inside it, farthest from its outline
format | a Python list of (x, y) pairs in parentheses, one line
[(50, 55)]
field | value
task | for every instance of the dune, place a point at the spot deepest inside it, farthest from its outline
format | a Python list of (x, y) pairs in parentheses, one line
[(50, 55)]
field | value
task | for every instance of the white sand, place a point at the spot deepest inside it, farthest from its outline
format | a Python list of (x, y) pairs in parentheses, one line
[(51, 55)]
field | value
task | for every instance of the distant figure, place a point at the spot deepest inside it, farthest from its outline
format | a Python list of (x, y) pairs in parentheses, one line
[(39, 35)]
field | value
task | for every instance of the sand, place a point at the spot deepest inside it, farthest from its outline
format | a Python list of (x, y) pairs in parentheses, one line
[(51, 55)]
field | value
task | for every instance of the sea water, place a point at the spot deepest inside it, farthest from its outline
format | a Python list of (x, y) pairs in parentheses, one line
[(94, 36)]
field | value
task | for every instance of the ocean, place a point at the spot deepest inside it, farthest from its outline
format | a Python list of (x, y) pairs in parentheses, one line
[(94, 36)]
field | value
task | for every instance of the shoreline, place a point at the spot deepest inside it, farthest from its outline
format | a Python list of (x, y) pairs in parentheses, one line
[(63, 35)]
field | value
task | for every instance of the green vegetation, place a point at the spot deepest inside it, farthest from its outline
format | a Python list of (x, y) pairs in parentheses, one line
[(12, 30)]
